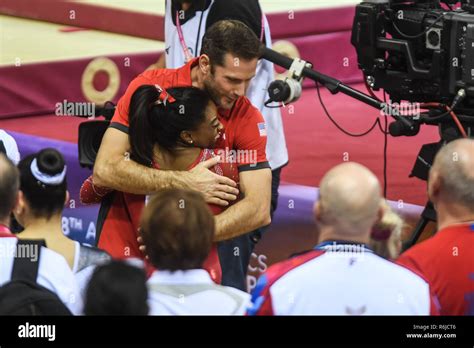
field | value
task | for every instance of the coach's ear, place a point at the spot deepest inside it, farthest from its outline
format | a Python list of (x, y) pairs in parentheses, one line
[(205, 64), (434, 185)]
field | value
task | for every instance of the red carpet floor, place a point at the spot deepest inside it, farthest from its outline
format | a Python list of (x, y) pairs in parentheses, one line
[(314, 143)]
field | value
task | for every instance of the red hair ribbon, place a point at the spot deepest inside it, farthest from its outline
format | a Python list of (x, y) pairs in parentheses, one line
[(164, 97)]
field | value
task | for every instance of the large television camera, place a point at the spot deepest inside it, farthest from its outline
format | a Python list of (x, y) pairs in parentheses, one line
[(419, 51)]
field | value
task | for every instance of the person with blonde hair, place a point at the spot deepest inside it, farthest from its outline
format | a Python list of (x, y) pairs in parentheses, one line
[(386, 236)]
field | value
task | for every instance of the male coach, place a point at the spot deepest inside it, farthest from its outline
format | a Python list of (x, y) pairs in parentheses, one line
[(186, 22), (230, 52)]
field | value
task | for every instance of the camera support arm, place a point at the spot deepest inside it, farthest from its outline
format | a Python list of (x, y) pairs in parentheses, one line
[(335, 86)]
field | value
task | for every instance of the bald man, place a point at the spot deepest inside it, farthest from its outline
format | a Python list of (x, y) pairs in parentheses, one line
[(349, 203), (447, 259), (342, 275)]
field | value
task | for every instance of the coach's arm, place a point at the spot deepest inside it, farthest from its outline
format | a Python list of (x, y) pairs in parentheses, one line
[(113, 168), (250, 213)]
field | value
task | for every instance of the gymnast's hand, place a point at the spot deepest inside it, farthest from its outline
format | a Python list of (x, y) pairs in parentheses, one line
[(141, 246), (216, 189)]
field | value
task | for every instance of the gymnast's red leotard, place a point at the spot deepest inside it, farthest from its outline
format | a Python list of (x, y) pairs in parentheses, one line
[(118, 221)]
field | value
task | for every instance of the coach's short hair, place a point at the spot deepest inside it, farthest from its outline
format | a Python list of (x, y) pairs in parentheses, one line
[(455, 163), (177, 228), (9, 186), (230, 36)]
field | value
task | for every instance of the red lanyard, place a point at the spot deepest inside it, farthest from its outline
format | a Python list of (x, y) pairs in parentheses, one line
[(5, 231), (187, 54)]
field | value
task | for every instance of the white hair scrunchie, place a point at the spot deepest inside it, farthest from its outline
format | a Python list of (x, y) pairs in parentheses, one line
[(46, 178)]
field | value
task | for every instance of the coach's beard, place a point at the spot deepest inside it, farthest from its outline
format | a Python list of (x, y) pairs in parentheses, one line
[(216, 96)]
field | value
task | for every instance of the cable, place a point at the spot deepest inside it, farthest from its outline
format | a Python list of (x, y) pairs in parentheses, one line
[(443, 115), (369, 89), (377, 122), (335, 123), (418, 35), (458, 124), (385, 129), (280, 105)]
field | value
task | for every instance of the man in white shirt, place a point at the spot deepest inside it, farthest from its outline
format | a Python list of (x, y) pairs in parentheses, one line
[(342, 275), (53, 271), (177, 228)]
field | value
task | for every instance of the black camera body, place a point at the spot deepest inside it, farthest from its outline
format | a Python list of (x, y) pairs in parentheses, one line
[(416, 50)]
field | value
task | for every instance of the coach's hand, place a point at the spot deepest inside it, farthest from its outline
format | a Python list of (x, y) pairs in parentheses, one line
[(217, 189)]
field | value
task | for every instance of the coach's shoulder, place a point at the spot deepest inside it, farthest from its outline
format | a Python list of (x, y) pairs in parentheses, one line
[(244, 106)]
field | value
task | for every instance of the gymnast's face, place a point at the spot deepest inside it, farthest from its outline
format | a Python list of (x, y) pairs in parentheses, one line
[(207, 132), (230, 81)]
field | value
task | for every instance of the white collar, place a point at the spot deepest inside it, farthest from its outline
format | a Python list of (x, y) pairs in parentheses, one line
[(191, 276)]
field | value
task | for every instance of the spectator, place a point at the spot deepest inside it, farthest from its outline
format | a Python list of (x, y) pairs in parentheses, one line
[(43, 194), (177, 228), (117, 288), (54, 273), (447, 258), (386, 236), (342, 275)]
